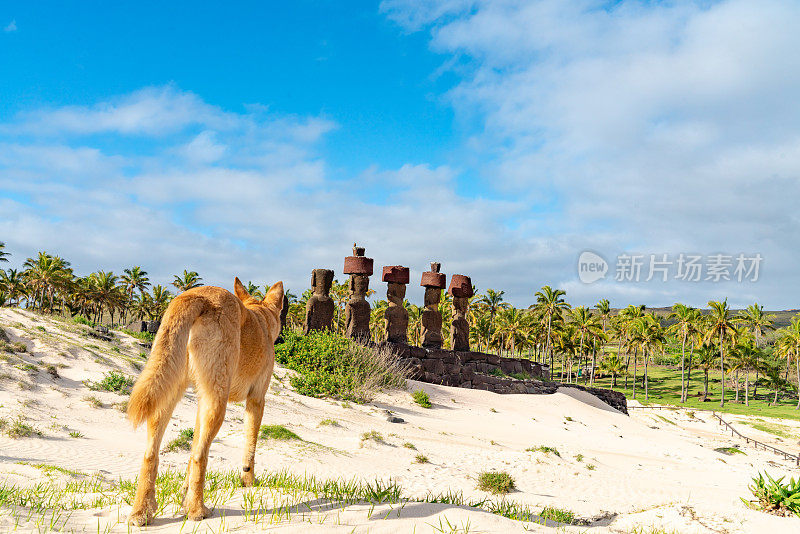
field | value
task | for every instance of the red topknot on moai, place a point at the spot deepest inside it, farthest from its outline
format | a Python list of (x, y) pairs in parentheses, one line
[(461, 290), (433, 281), (357, 310), (396, 316)]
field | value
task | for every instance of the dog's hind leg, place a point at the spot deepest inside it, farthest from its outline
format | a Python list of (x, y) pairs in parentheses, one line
[(212, 413), (255, 410), (144, 504)]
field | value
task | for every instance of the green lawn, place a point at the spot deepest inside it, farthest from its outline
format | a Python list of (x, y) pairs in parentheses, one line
[(665, 388)]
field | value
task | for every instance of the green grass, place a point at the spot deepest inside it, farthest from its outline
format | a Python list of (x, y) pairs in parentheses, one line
[(75, 434), (329, 422), (330, 365), (409, 445), (545, 449), (20, 429), (183, 442), (775, 429), (730, 450), (495, 482), (113, 381), (665, 388), (422, 398), (278, 432), (51, 501), (372, 435), (557, 514), (666, 420), (421, 459), (144, 336), (94, 401)]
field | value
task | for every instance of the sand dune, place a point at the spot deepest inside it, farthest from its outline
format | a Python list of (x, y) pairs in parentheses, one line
[(649, 470)]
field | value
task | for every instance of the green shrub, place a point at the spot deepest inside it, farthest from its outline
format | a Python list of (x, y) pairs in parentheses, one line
[(495, 482), (545, 449), (330, 365), (421, 459), (277, 432), (372, 435), (21, 429), (557, 514), (329, 422), (75, 434), (775, 496), (182, 442), (144, 336), (422, 398), (409, 445), (113, 381), (80, 319)]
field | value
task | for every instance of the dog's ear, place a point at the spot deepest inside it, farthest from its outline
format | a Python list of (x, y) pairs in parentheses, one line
[(275, 295), (239, 289)]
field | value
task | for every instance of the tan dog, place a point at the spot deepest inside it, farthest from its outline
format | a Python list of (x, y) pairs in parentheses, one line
[(223, 345)]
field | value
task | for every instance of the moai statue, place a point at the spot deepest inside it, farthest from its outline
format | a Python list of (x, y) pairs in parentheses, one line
[(319, 308), (357, 311), (396, 317), (460, 289), (284, 313), (433, 281)]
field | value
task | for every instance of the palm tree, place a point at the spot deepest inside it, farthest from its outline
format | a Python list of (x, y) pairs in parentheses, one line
[(187, 280), (134, 279), (493, 301), (721, 328), (685, 324), (604, 312), (46, 275), (790, 342), (158, 302), (758, 322), (3, 252), (651, 337), (512, 328), (479, 332), (106, 292), (743, 357), (625, 329), (706, 359), (13, 284), (550, 304), (614, 365), (586, 327)]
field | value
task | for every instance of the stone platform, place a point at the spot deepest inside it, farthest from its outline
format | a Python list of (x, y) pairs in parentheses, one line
[(489, 372)]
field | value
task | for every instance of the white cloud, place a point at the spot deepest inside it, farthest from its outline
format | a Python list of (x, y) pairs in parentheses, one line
[(12, 27), (657, 127)]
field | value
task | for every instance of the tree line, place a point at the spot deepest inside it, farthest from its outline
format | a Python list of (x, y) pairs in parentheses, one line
[(583, 341)]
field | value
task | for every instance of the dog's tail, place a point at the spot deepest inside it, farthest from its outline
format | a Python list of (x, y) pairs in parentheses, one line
[(164, 377)]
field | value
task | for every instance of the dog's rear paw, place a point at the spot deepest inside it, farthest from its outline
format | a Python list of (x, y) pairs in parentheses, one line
[(198, 513), (140, 518), (248, 479)]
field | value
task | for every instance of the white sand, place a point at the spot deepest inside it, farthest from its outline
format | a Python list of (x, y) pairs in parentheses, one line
[(648, 473)]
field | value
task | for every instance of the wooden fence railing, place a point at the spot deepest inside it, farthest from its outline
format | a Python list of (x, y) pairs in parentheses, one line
[(748, 440)]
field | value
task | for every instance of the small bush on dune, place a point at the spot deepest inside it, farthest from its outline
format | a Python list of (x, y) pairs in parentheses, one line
[(80, 319), (113, 381), (557, 514), (545, 449), (422, 398), (277, 432), (330, 365), (21, 429), (495, 482), (182, 442)]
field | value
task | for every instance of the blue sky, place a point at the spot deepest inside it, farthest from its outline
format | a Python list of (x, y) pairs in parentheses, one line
[(501, 138)]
